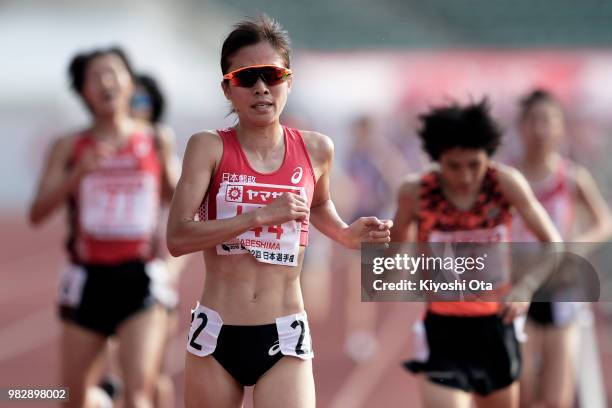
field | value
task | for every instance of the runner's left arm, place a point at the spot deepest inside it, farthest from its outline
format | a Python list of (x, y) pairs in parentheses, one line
[(516, 189), (600, 226), (323, 214)]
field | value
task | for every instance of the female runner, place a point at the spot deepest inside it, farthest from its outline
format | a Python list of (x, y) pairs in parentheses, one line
[(112, 176), (564, 188), (255, 188), (472, 353)]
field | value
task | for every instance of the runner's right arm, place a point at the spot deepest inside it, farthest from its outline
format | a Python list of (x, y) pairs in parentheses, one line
[(405, 215), (184, 234), (170, 163)]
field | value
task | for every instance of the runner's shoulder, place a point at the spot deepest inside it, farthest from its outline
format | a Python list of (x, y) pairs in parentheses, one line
[(204, 150), (319, 146), (205, 139), (62, 146), (410, 186), (509, 177)]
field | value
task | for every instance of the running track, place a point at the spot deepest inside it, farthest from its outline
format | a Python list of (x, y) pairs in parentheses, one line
[(30, 261)]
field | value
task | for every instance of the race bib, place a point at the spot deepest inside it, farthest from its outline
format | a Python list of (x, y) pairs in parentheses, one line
[(495, 234), (161, 287), (489, 245), (204, 331), (71, 285), (122, 206), (273, 244), (294, 336)]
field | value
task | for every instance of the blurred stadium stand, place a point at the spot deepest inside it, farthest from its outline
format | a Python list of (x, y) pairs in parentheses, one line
[(438, 23)]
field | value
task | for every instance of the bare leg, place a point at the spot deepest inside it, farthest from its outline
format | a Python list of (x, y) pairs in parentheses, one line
[(361, 342), (288, 384), (436, 396), (164, 392), (505, 398), (141, 340), (531, 351), (209, 385), (82, 357), (558, 377)]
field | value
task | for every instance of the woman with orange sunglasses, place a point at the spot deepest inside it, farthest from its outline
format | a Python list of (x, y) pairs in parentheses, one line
[(253, 189)]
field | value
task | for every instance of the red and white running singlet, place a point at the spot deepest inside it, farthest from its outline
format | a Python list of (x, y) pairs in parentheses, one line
[(556, 194), (489, 220), (237, 188), (115, 210)]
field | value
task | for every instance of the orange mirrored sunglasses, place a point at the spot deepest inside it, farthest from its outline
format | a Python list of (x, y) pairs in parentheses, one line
[(246, 77)]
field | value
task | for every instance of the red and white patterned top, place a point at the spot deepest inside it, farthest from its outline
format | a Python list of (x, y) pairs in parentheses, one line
[(114, 212), (236, 188)]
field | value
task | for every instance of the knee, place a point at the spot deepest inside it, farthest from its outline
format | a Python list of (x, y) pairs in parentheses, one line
[(164, 386), (139, 392)]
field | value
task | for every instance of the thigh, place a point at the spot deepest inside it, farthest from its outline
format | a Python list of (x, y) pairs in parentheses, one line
[(360, 342), (165, 396), (507, 397), (558, 373), (288, 384), (209, 385), (82, 357), (164, 390), (531, 351), (435, 395), (141, 344)]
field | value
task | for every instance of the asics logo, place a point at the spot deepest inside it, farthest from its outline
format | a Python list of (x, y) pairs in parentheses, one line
[(275, 349), (297, 175)]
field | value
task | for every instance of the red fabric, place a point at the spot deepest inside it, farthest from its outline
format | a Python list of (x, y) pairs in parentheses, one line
[(138, 156), (234, 167), (490, 211)]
